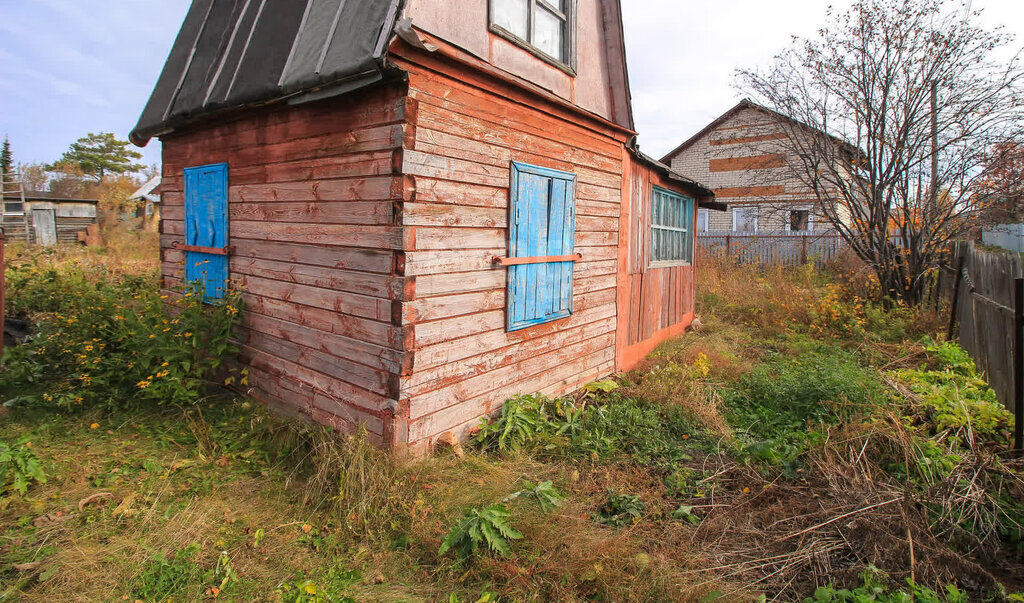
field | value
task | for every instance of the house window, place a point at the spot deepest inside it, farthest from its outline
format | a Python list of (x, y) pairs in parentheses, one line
[(542, 26), (14, 208), (542, 230), (702, 220), (799, 220), (206, 229), (671, 228), (744, 219)]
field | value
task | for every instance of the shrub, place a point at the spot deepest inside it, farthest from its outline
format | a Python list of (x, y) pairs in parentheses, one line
[(19, 467), (488, 527), (113, 343)]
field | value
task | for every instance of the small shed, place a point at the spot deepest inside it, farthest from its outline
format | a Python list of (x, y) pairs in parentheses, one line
[(429, 207), (47, 219), (146, 202)]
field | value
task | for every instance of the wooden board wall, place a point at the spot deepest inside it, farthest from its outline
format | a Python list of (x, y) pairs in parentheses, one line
[(317, 245), (463, 139), (654, 303)]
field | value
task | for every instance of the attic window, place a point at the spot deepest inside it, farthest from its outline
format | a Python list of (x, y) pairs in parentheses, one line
[(544, 27)]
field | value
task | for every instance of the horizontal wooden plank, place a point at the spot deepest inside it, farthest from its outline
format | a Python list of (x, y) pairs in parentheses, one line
[(447, 306), (368, 213), (327, 320), (353, 189), (472, 409), (374, 285), (437, 214), (340, 235), (436, 368), (461, 282), (483, 382), (378, 261), (362, 306)]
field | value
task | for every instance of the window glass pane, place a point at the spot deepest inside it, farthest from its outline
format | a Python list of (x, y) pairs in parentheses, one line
[(513, 15), (702, 220), (547, 34), (745, 219)]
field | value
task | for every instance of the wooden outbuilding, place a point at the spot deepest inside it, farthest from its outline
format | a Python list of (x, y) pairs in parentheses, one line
[(429, 206), (46, 219)]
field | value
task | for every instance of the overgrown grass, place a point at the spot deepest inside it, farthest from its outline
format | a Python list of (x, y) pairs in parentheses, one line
[(805, 433)]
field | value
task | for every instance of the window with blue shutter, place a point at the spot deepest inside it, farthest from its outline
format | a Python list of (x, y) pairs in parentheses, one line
[(671, 228), (206, 229), (542, 229)]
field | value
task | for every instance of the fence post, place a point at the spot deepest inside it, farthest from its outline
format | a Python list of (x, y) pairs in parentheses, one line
[(728, 246), (1018, 366), (955, 306), (803, 249)]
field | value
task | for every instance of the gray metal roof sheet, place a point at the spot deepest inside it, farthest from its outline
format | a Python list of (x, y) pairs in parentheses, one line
[(233, 53)]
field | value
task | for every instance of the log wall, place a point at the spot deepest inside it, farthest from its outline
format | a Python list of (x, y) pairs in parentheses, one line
[(313, 199), (464, 133)]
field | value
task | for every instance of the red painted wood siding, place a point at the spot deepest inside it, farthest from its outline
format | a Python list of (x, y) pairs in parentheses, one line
[(654, 303), (464, 136), (318, 243)]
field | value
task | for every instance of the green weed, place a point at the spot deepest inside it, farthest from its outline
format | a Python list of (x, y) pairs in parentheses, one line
[(19, 466), (165, 578), (489, 527), (620, 510)]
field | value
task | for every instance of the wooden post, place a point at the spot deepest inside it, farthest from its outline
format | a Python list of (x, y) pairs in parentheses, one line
[(955, 306), (803, 250), (728, 246), (1018, 366)]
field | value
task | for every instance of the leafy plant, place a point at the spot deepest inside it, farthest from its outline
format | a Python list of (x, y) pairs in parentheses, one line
[(621, 510), (328, 590), (489, 527), (19, 466), (685, 512), (874, 588), (104, 340), (163, 578), (545, 493), (522, 419)]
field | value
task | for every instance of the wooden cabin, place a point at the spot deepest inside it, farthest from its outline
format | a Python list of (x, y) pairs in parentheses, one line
[(46, 219), (430, 207)]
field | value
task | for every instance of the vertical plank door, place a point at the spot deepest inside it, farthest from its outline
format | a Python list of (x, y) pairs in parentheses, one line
[(206, 225)]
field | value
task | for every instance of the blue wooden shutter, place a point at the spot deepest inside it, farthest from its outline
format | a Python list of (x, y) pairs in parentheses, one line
[(206, 225), (542, 223)]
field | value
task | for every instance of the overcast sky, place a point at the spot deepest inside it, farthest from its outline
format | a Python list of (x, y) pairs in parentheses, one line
[(70, 67)]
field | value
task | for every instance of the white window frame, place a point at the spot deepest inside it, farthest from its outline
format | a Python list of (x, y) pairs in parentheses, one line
[(689, 234), (568, 17), (757, 217), (706, 213)]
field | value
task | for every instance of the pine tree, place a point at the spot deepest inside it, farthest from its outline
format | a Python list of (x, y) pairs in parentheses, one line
[(6, 157)]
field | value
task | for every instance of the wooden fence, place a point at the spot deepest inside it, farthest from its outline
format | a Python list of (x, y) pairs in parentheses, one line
[(988, 307), (773, 249)]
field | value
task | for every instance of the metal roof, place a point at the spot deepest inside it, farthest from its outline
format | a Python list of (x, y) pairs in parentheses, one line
[(232, 53)]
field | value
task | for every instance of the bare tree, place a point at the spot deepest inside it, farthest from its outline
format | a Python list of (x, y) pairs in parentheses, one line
[(917, 94)]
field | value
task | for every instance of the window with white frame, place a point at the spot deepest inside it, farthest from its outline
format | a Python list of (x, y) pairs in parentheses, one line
[(671, 228), (702, 220), (544, 27), (744, 219)]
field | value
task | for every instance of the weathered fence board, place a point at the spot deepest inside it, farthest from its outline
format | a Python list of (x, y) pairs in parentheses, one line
[(773, 249), (984, 308)]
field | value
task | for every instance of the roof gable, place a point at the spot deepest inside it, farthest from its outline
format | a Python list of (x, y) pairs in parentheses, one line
[(743, 105)]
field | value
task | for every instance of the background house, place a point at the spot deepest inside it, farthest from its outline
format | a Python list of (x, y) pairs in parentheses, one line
[(46, 219), (146, 201), (743, 156), (446, 212)]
